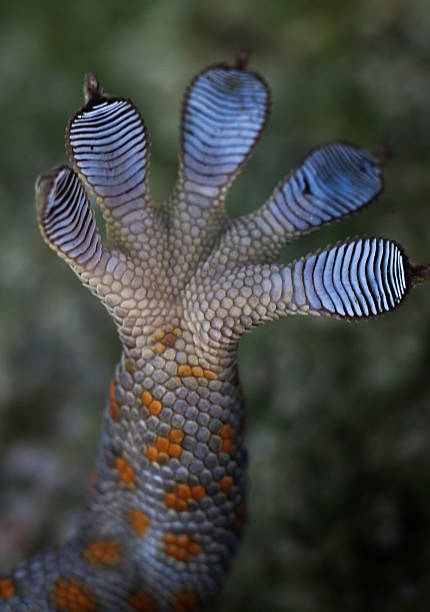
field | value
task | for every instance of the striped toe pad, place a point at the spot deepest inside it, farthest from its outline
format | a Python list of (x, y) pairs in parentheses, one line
[(224, 113), (109, 146), (65, 216), (354, 279), (334, 181)]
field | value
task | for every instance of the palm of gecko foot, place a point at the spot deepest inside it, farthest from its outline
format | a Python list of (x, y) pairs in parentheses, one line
[(183, 283)]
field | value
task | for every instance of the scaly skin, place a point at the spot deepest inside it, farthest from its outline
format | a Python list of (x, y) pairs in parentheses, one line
[(183, 283)]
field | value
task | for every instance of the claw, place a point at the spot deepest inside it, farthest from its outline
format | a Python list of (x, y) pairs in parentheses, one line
[(242, 59), (93, 91), (419, 273)]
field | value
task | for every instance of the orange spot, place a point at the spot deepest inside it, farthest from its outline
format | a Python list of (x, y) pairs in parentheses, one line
[(175, 450), (139, 521), (227, 446), (194, 548), (225, 432), (7, 588), (165, 446), (102, 552), (181, 546), (72, 596), (126, 472), (209, 374), (174, 551), (152, 453), (181, 504), (142, 602), (198, 492), (226, 483), (176, 435), (183, 539), (114, 410), (169, 538), (162, 444), (154, 407), (169, 339), (187, 370), (170, 500), (186, 602), (173, 501), (146, 398), (94, 476), (184, 491)]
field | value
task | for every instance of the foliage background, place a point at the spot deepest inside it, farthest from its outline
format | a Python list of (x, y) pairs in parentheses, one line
[(339, 415)]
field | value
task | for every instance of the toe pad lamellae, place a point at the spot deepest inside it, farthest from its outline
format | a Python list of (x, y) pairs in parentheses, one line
[(66, 218), (109, 147)]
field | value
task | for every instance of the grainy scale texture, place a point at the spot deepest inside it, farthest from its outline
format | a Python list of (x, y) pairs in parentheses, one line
[(183, 283)]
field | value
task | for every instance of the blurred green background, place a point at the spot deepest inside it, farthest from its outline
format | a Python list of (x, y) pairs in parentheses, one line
[(339, 414)]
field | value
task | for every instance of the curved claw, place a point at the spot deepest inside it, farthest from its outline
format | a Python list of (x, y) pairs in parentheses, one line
[(93, 91), (419, 273)]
